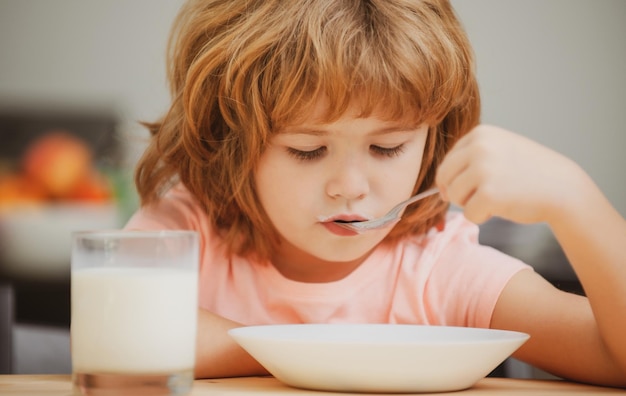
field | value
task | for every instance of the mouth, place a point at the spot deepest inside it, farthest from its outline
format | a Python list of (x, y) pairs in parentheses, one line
[(350, 218), (334, 225)]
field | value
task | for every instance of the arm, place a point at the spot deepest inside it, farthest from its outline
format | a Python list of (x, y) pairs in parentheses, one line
[(565, 338), (217, 354), (492, 172)]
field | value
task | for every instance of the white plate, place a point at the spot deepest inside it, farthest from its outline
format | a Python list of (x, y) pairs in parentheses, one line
[(378, 357)]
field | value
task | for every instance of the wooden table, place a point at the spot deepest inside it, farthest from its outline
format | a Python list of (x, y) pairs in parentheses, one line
[(60, 385)]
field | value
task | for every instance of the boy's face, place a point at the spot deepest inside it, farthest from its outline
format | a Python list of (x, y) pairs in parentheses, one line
[(351, 169)]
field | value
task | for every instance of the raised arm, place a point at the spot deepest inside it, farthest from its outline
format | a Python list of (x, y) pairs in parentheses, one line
[(493, 172)]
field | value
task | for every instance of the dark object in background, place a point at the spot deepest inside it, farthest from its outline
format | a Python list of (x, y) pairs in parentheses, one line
[(19, 127), (6, 328)]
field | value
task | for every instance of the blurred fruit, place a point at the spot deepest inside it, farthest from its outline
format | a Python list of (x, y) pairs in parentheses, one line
[(16, 188), (93, 187), (58, 161)]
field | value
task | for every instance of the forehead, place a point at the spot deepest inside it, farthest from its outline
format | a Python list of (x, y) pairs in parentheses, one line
[(321, 112)]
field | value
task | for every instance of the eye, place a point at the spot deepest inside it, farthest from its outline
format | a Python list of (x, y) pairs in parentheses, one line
[(306, 155), (387, 151)]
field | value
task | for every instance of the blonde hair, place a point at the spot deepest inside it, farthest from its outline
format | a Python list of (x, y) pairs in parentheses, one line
[(240, 70)]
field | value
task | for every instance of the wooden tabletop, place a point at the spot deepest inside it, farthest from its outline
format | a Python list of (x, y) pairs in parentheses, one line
[(60, 385)]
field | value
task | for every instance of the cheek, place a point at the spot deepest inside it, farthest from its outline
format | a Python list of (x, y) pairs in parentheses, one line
[(268, 189), (279, 188), (406, 172), (414, 161)]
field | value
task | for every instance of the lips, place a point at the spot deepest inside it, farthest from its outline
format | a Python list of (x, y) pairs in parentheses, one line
[(338, 230), (345, 219), (332, 226)]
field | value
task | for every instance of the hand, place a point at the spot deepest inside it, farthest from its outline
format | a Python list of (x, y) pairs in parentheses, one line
[(494, 172)]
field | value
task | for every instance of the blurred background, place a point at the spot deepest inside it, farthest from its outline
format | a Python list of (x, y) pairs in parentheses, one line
[(77, 77)]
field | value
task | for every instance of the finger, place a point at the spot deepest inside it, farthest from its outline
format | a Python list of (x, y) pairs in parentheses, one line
[(462, 187), (476, 134), (477, 207), (465, 140), (455, 163)]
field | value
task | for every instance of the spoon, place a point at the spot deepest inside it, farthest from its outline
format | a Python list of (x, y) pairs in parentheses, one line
[(392, 217)]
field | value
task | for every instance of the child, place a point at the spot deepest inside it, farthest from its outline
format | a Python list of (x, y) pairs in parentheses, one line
[(291, 116)]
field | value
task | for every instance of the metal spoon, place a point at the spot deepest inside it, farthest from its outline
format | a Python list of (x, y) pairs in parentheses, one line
[(392, 217)]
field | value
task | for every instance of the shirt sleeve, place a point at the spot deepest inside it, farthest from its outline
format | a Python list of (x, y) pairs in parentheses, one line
[(466, 278), (175, 211)]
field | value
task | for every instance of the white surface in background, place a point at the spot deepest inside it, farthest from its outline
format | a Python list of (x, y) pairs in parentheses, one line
[(36, 240)]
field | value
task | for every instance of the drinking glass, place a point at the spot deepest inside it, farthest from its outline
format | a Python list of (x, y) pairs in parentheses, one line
[(134, 298)]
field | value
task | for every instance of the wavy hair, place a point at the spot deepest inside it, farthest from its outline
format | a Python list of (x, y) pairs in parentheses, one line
[(240, 70)]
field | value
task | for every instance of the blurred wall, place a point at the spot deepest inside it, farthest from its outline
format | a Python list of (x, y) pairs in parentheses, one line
[(550, 69), (87, 55)]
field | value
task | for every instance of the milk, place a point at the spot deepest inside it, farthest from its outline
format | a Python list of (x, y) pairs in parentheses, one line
[(133, 320)]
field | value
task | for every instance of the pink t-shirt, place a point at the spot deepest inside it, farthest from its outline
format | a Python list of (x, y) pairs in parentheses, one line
[(442, 278)]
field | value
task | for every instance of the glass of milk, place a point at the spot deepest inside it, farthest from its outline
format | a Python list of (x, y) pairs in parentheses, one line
[(134, 297)]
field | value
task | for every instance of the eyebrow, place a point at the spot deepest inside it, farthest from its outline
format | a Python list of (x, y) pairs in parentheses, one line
[(321, 132)]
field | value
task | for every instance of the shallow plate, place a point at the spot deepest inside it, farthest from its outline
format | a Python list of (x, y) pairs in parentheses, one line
[(378, 357)]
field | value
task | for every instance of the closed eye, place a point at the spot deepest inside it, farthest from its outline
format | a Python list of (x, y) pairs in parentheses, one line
[(387, 151), (310, 155)]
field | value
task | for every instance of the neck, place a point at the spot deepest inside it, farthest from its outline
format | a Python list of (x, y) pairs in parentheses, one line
[(299, 266)]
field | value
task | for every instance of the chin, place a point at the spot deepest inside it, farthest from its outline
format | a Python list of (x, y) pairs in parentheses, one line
[(347, 250)]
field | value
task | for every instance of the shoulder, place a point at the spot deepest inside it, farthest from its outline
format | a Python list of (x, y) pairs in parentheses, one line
[(457, 245), (457, 233), (458, 279), (177, 209), (440, 252)]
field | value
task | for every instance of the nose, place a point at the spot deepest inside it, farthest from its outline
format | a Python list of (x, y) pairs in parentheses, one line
[(348, 179)]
